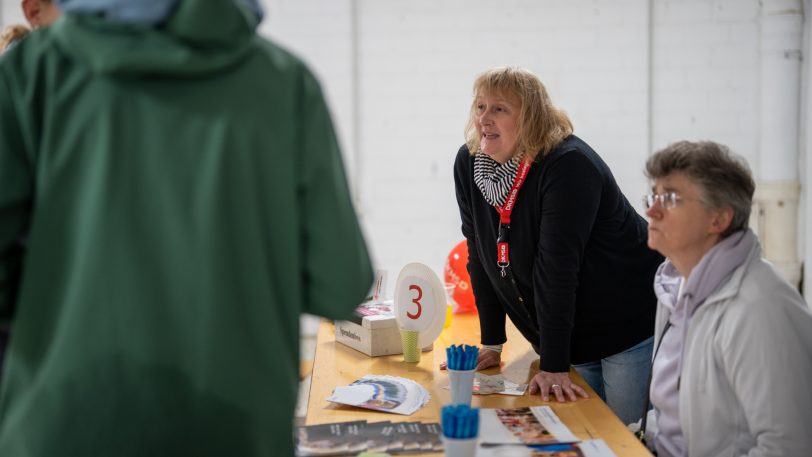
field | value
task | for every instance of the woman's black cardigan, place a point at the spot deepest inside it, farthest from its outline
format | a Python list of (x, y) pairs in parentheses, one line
[(581, 275)]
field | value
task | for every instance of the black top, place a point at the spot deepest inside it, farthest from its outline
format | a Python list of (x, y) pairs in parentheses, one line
[(580, 285)]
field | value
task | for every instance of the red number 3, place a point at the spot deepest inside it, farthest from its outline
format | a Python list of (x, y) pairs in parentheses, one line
[(416, 301)]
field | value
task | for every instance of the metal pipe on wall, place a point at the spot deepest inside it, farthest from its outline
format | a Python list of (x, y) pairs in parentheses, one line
[(806, 180), (650, 79), (778, 189), (355, 76)]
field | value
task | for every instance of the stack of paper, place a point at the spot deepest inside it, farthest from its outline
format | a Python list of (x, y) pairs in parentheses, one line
[(508, 432), (527, 425), (531, 431), (586, 448), (350, 438), (390, 394), (496, 384)]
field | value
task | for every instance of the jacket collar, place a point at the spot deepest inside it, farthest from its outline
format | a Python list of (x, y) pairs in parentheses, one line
[(733, 285)]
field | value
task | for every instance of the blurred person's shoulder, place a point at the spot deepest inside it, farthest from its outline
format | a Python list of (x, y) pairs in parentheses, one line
[(24, 63), (33, 49), (280, 60)]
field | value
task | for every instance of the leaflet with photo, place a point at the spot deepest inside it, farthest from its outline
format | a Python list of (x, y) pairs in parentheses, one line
[(390, 394), (587, 448), (527, 425), (496, 384), (351, 438), (379, 436), (330, 439), (432, 433)]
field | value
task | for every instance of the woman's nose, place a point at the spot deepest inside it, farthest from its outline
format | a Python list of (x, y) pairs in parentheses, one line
[(655, 210)]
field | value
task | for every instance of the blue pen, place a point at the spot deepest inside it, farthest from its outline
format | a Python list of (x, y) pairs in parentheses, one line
[(460, 357), (552, 447), (461, 423)]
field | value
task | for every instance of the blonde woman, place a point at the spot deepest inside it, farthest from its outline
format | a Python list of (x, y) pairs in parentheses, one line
[(554, 245)]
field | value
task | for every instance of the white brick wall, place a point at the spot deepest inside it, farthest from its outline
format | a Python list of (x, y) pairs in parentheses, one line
[(417, 60), (400, 93), (416, 63), (706, 73), (11, 13)]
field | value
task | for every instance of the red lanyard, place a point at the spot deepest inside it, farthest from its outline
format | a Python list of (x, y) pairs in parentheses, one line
[(502, 251)]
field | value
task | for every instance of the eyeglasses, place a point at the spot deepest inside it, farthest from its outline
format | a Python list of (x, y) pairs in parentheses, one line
[(667, 200)]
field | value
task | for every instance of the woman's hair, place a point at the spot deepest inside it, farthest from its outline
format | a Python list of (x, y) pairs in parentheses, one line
[(723, 177), (542, 126), (11, 34)]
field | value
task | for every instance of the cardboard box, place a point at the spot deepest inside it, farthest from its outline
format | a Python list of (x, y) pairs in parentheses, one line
[(372, 330)]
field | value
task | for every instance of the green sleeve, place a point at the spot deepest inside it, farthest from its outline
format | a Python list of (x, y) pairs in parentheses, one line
[(337, 270), (15, 199)]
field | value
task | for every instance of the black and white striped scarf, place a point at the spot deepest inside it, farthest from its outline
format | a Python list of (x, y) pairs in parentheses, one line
[(494, 179)]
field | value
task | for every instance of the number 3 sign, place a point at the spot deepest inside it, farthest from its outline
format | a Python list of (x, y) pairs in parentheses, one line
[(420, 302)]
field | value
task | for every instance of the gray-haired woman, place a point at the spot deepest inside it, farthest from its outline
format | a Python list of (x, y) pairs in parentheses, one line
[(733, 356)]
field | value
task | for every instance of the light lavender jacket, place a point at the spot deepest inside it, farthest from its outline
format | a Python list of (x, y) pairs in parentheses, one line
[(746, 378)]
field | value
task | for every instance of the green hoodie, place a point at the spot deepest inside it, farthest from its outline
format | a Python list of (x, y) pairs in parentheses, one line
[(171, 200)]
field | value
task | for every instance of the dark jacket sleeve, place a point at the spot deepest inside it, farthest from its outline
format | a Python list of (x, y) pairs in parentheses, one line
[(491, 313), (337, 269), (570, 197), (16, 188)]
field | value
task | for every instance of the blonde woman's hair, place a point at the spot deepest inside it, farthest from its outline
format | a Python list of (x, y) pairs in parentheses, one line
[(11, 34), (542, 126)]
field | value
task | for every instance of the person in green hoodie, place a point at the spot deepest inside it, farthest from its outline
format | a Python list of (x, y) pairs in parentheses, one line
[(172, 199)]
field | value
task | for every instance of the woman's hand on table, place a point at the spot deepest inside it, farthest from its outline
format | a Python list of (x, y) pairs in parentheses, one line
[(485, 359), (558, 384)]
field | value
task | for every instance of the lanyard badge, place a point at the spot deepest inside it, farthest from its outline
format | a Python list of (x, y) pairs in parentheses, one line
[(502, 240)]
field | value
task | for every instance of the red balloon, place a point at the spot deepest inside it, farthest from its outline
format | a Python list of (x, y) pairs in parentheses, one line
[(456, 272)]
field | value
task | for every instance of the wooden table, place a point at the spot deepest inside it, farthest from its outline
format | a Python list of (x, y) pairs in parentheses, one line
[(337, 365)]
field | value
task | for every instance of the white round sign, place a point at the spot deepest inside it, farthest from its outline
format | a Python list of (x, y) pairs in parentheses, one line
[(420, 302)]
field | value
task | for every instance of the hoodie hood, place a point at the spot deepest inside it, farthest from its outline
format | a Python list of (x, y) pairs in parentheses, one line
[(194, 37)]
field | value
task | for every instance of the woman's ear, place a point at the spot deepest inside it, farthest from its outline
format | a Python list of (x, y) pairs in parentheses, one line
[(721, 220)]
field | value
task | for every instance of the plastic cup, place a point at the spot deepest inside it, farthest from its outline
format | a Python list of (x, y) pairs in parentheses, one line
[(411, 351), (449, 309), (454, 447), (462, 386)]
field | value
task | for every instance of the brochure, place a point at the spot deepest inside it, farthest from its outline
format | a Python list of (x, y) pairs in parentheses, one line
[(588, 448), (527, 425), (380, 436), (330, 439), (496, 384), (390, 394), (351, 438)]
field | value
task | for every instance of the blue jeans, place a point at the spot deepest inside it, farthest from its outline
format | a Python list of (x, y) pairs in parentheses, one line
[(621, 380)]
